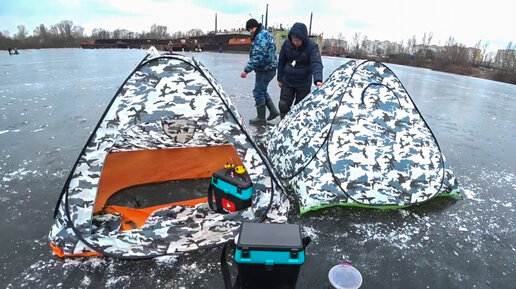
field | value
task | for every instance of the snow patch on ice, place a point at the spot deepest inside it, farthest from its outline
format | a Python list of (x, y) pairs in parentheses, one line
[(311, 232), (93, 262), (19, 174), (169, 259), (399, 237), (471, 195), (119, 280), (86, 281)]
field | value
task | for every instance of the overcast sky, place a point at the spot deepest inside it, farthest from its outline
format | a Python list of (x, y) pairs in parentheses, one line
[(394, 20)]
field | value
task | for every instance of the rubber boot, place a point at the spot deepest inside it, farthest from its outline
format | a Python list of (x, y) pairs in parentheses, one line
[(273, 111), (260, 119)]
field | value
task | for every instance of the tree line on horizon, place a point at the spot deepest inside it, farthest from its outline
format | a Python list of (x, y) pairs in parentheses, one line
[(452, 57), (67, 35)]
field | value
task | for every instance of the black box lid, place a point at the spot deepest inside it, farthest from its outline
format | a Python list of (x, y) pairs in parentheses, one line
[(270, 237)]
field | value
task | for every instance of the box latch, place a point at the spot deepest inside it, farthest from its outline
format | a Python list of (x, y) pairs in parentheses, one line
[(294, 253), (245, 253), (269, 265)]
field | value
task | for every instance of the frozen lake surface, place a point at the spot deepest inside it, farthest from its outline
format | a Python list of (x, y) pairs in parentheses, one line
[(51, 100)]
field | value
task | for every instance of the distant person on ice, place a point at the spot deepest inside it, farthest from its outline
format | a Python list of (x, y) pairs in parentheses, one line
[(262, 59), (299, 60)]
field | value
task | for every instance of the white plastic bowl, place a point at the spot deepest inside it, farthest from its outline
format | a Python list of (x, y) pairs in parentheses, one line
[(345, 276)]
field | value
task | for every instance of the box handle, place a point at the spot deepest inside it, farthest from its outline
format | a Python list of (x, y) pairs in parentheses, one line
[(294, 253)]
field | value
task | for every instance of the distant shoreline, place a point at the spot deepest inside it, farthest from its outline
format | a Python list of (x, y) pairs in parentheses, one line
[(477, 72), (472, 71)]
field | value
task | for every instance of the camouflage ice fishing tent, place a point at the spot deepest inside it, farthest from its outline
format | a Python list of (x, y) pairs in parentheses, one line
[(169, 123), (359, 140)]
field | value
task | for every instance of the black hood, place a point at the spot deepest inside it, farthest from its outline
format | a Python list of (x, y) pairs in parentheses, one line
[(299, 30)]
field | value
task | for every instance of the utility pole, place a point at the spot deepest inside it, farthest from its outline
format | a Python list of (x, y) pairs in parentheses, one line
[(215, 23), (266, 15), (310, 30)]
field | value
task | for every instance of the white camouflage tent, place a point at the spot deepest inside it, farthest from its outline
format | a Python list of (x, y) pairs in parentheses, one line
[(361, 141)]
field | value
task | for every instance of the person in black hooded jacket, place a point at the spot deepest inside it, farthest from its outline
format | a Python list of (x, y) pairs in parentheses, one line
[(298, 62)]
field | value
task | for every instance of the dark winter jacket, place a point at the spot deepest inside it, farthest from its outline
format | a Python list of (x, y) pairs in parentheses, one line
[(307, 60), (263, 52)]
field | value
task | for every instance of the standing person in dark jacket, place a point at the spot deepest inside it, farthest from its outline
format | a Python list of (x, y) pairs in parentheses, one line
[(299, 60), (262, 59)]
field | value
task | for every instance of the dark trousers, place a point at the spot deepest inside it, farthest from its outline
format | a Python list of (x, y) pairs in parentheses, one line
[(289, 95)]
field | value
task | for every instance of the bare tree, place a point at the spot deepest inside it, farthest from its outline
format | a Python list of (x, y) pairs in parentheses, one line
[(356, 42), (117, 34), (477, 57), (402, 47), (158, 31), (429, 38), (195, 32), (392, 48), (453, 54), (506, 59), (41, 32), (484, 54), (65, 28), (78, 31), (451, 41), (5, 41), (177, 35), (54, 31), (364, 43), (123, 34), (411, 43), (100, 33), (341, 43), (340, 39), (490, 57), (22, 32), (41, 35)]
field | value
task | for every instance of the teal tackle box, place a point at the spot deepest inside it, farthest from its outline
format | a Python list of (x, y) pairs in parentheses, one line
[(269, 255), (230, 190)]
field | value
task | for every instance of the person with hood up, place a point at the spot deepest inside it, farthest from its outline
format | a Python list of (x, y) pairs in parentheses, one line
[(299, 60), (262, 59)]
